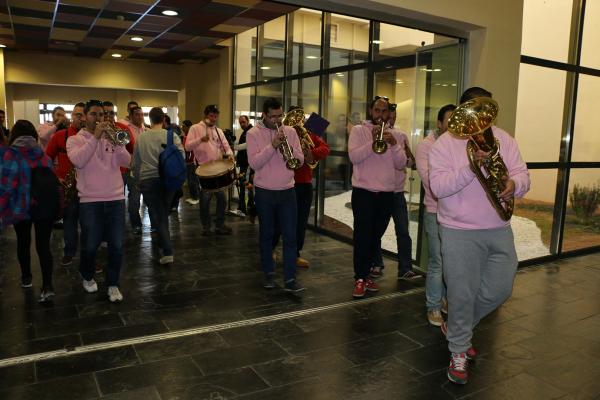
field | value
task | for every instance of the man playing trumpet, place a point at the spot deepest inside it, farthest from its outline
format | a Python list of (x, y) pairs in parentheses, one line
[(373, 184), (102, 202)]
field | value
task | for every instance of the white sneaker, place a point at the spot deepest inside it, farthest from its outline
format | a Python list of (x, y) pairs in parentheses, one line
[(192, 201), (240, 213), (114, 294), (166, 260), (90, 286)]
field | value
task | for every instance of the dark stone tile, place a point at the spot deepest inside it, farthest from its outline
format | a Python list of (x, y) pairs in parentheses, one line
[(161, 373), (124, 332), (41, 345), (377, 347), (522, 386), (426, 359), (240, 356), (212, 316), (425, 334), (296, 368), (259, 332), (570, 372), (320, 339), (72, 388), (17, 375), (146, 393), (86, 362), (55, 328), (181, 346), (312, 389)]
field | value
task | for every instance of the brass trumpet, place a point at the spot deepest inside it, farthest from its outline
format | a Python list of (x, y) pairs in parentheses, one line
[(116, 136), (379, 145), (286, 150)]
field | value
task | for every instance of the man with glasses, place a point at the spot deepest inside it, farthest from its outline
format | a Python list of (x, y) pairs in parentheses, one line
[(373, 184), (57, 151), (274, 191), (102, 200), (130, 105)]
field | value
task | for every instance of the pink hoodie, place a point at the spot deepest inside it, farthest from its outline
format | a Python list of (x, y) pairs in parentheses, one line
[(422, 157), (371, 171), (267, 161), (212, 150), (45, 132), (97, 163), (462, 201)]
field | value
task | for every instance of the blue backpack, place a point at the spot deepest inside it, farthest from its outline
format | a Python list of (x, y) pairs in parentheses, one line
[(171, 166)]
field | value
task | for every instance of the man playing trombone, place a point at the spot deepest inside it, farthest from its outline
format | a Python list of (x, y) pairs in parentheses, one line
[(274, 152)]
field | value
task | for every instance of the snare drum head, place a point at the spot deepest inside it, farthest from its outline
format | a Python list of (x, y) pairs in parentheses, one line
[(214, 168)]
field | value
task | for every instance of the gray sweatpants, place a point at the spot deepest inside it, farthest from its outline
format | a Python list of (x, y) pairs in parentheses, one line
[(479, 268)]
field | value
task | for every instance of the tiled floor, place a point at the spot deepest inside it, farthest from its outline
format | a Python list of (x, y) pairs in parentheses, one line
[(543, 344)]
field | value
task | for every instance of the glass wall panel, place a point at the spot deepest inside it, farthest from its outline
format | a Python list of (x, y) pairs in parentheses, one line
[(349, 41), (533, 215), (582, 222), (586, 140), (337, 213), (244, 105), (395, 41), (303, 93), (305, 26), (590, 56), (245, 57), (345, 106), (540, 106), (399, 86), (271, 48), (263, 92), (546, 29)]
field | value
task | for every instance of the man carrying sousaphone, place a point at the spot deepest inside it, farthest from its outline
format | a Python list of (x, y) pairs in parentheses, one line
[(208, 143), (478, 250)]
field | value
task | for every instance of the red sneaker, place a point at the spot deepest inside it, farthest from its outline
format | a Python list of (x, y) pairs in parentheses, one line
[(359, 289), (372, 286), (458, 369)]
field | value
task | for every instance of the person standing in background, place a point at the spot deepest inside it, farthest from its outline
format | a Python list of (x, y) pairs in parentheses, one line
[(47, 129)]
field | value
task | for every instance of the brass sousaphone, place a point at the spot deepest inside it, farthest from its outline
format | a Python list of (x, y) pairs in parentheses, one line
[(472, 120)]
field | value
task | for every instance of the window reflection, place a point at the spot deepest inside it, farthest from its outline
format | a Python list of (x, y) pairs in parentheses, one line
[(546, 29), (304, 93), (582, 220), (349, 41), (271, 49), (305, 26), (245, 57), (244, 105), (586, 141)]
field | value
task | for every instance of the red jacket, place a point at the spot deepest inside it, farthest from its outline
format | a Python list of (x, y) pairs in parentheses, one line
[(319, 152), (57, 151)]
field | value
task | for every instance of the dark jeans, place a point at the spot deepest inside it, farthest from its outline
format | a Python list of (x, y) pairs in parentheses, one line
[(272, 206), (133, 201), (304, 193), (205, 208), (403, 240), (371, 211), (159, 205), (192, 181), (177, 195), (242, 192), (71, 227), (43, 229), (102, 220)]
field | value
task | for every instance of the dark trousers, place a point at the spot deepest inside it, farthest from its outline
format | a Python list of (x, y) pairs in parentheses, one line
[(273, 206), (372, 212), (403, 240), (102, 220), (242, 192), (159, 204), (192, 181), (71, 227), (43, 229), (133, 201), (205, 208), (304, 193)]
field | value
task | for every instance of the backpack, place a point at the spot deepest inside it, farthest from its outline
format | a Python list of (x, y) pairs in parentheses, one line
[(45, 202), (171, 166)]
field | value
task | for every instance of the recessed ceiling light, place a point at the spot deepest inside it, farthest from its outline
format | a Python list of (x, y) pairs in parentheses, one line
[(437, 70), (339, 74), (116, 55), (137, 39), (312, 57), (2, 45), (265, 67), (454, 84), (170, 13), (399, 81), (377, 42)]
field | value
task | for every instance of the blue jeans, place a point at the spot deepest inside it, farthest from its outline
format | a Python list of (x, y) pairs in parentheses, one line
[(71, 227), (304, 192), (133, 201), (205, 208), (434, 284), (102, 220), (159, 205), (272, 206), (403, 240)]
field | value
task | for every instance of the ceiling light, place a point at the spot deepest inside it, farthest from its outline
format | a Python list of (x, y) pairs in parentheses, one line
[(116, 55), (339, 74), (2, 45), (137, 39), (377, 42), (454, 84), (312, 57), (170, 13), (265, 67), (437, 70), (445, 84), (399, 81)]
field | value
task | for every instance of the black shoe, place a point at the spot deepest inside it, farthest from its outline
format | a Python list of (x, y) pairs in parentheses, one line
[(26, 283), (223, 230), (137, 230), (293, 286), (269, 282)]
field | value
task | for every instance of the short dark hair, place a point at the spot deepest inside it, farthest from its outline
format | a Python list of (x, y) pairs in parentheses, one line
[(80, 104), (245, 117), (473, 92), (56, 109), (167, 120), (22, 128), (292, 108), (132, 103), (156, 115), (91, 103), (134, 109), (2, 112), (187, 123), (271, 104), (444, 110), (107, 104), (211, 108), (377, 98)]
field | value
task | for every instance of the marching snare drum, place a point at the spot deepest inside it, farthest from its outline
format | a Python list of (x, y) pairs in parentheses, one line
[(216, 175)]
